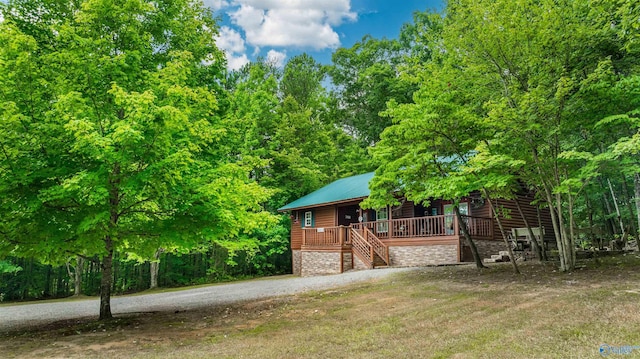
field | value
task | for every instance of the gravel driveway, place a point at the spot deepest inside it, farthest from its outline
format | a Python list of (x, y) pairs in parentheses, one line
[(30, 315)]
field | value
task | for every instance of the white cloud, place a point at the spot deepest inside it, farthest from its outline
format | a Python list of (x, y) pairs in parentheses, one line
[(235, 62), (232, 44), (302, 23), (216, 5), (230, 40), (276, 57)]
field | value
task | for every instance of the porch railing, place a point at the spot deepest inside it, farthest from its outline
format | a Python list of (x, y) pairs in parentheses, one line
[(376, 245), (325, 237), (479, 227), (432, 226), (361, 248), (419, 227)]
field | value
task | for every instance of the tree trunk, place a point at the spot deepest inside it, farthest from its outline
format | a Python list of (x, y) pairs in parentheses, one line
[(154, 267), (566, 241), (467, 237), (592, 236), (47, 282), (628, 200), (107, 280), (607, 205), (542, 242), (504, 235), (636, 185), (555, 217), (615, 204), (77, 278), (534, 239), (572, 226), (61, 287), (555, 221)]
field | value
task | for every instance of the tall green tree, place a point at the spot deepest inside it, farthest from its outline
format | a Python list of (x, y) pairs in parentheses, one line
[(521, 85), (423, 155), (365, 77), (111, 132), (302, 79), (539, 65)]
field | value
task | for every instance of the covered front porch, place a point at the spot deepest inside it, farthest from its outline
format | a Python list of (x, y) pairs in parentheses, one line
[(370, 241), (441, 227)]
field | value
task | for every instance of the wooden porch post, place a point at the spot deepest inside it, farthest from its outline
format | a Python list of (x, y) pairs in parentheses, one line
[(389, 229), (304, 237)]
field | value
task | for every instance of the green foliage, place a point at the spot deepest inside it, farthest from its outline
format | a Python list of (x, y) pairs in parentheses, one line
[(424, 154), (366, 76), (121, 131), (287, 127), (302, 79), (8, 267), (116, 136), (540, 93)]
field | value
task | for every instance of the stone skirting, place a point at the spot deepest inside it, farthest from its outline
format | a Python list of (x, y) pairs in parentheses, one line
[(358, 263), (347, 261), (486, 247), (296, 262), (320, 262), (414, 256)]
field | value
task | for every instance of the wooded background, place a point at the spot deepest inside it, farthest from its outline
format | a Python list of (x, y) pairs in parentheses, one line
[(128, 149)]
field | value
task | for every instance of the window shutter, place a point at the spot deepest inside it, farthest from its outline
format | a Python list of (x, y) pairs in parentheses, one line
[(313, 218)]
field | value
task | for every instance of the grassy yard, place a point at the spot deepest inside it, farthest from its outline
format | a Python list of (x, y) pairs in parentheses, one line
[(444, 312)]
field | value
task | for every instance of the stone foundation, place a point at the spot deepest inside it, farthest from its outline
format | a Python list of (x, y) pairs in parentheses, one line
[(414, 256), (296, 259), (347, 261), (359, 264), (320, 262), (487, 248), (309, 263)]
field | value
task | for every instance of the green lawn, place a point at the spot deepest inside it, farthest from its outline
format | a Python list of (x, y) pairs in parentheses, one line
[(439, 312)]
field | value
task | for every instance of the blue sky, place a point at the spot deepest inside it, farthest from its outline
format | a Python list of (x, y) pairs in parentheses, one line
[(281, 29)]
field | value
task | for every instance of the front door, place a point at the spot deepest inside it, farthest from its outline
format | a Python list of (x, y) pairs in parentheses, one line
[(347, 215), (382, 216), (449, 214)]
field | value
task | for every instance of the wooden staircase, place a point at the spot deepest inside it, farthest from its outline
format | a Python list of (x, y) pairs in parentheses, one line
[(369, 248)]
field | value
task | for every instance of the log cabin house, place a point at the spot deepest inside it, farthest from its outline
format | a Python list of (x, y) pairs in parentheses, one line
[(330, 233)]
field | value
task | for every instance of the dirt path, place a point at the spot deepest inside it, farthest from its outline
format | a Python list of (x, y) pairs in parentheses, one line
[(24, 316)]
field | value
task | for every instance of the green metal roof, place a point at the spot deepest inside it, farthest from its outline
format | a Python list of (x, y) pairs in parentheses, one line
[(341, 190)]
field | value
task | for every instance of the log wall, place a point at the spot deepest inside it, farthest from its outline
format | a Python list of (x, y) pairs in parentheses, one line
[(325, 216)]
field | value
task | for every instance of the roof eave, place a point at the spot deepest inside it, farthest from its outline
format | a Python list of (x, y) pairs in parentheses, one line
[(322, 204)]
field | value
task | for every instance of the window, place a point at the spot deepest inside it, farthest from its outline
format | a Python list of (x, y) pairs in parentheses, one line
[(308, 219), (463, 207), (382, 215)]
